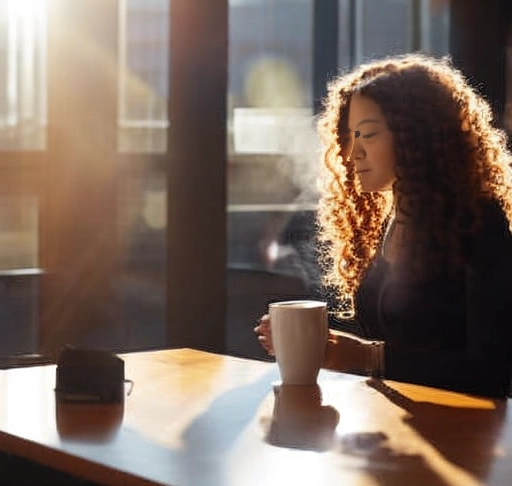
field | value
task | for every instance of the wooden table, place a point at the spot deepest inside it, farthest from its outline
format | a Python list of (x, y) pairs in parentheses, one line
[(196, 418)]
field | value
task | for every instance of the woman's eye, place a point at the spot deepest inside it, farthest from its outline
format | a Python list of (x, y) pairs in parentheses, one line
[(369, 135)]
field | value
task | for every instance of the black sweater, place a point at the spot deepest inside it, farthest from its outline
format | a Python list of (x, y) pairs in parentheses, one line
[(454, 331)]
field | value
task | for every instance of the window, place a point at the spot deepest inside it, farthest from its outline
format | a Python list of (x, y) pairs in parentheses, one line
[(271, 138), (87, 157), (83, 145)]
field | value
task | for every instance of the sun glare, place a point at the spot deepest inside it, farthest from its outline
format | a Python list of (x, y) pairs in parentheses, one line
[(28, 8)]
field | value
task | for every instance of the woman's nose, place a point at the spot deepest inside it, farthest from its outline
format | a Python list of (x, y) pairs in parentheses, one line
[(357, 151)]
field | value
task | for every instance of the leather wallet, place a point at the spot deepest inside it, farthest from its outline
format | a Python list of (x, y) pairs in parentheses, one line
[(85, 375)]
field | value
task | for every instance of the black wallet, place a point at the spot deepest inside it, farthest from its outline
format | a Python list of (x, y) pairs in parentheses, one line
[(85, 375)]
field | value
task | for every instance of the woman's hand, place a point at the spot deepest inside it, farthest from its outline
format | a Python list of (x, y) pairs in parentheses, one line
[(265, 334)]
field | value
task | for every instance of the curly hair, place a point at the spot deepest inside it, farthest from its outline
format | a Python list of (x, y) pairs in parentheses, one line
[(448, 156)]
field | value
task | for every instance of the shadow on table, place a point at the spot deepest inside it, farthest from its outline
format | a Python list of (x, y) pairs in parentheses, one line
[(465, 436), (210, 436)]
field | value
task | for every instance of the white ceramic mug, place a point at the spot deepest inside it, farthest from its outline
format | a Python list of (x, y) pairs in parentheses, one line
[(299, 337)]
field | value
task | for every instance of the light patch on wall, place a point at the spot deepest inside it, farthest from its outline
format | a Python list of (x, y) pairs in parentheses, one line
[(155, 209)]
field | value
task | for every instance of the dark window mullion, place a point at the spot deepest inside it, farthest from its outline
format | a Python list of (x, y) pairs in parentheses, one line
[(197, 173), (325, 47)]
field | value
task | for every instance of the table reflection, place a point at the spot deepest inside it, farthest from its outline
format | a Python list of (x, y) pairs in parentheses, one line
[(89, 422)]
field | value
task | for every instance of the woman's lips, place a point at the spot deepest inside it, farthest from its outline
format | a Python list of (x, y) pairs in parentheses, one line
[(362, 170)]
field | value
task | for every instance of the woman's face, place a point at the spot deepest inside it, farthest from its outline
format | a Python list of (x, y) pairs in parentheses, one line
[(373, 152)]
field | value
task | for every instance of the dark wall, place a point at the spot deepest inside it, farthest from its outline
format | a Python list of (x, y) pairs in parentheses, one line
[(478, 38)]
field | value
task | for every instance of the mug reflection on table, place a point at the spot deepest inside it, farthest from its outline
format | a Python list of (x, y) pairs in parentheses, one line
[(299, 419)]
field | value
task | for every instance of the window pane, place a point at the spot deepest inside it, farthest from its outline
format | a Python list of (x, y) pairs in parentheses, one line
[(23, 75), (18, 232), (142, 222), (142, 200), (271, 139), (372, 29), (19, 285), (269, 75), (272, 154), (143, 75)]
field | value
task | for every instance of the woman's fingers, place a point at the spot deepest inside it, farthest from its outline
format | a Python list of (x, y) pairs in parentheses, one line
[(267, 344), (263, 325), (263, 331)]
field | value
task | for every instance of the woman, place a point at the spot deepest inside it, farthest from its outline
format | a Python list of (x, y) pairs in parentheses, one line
[(414, 228)]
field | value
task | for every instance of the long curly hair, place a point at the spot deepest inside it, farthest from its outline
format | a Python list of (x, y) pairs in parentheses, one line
[(448, 156)]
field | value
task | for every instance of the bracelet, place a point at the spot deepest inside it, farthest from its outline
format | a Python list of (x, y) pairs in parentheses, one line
[(377, 359)]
